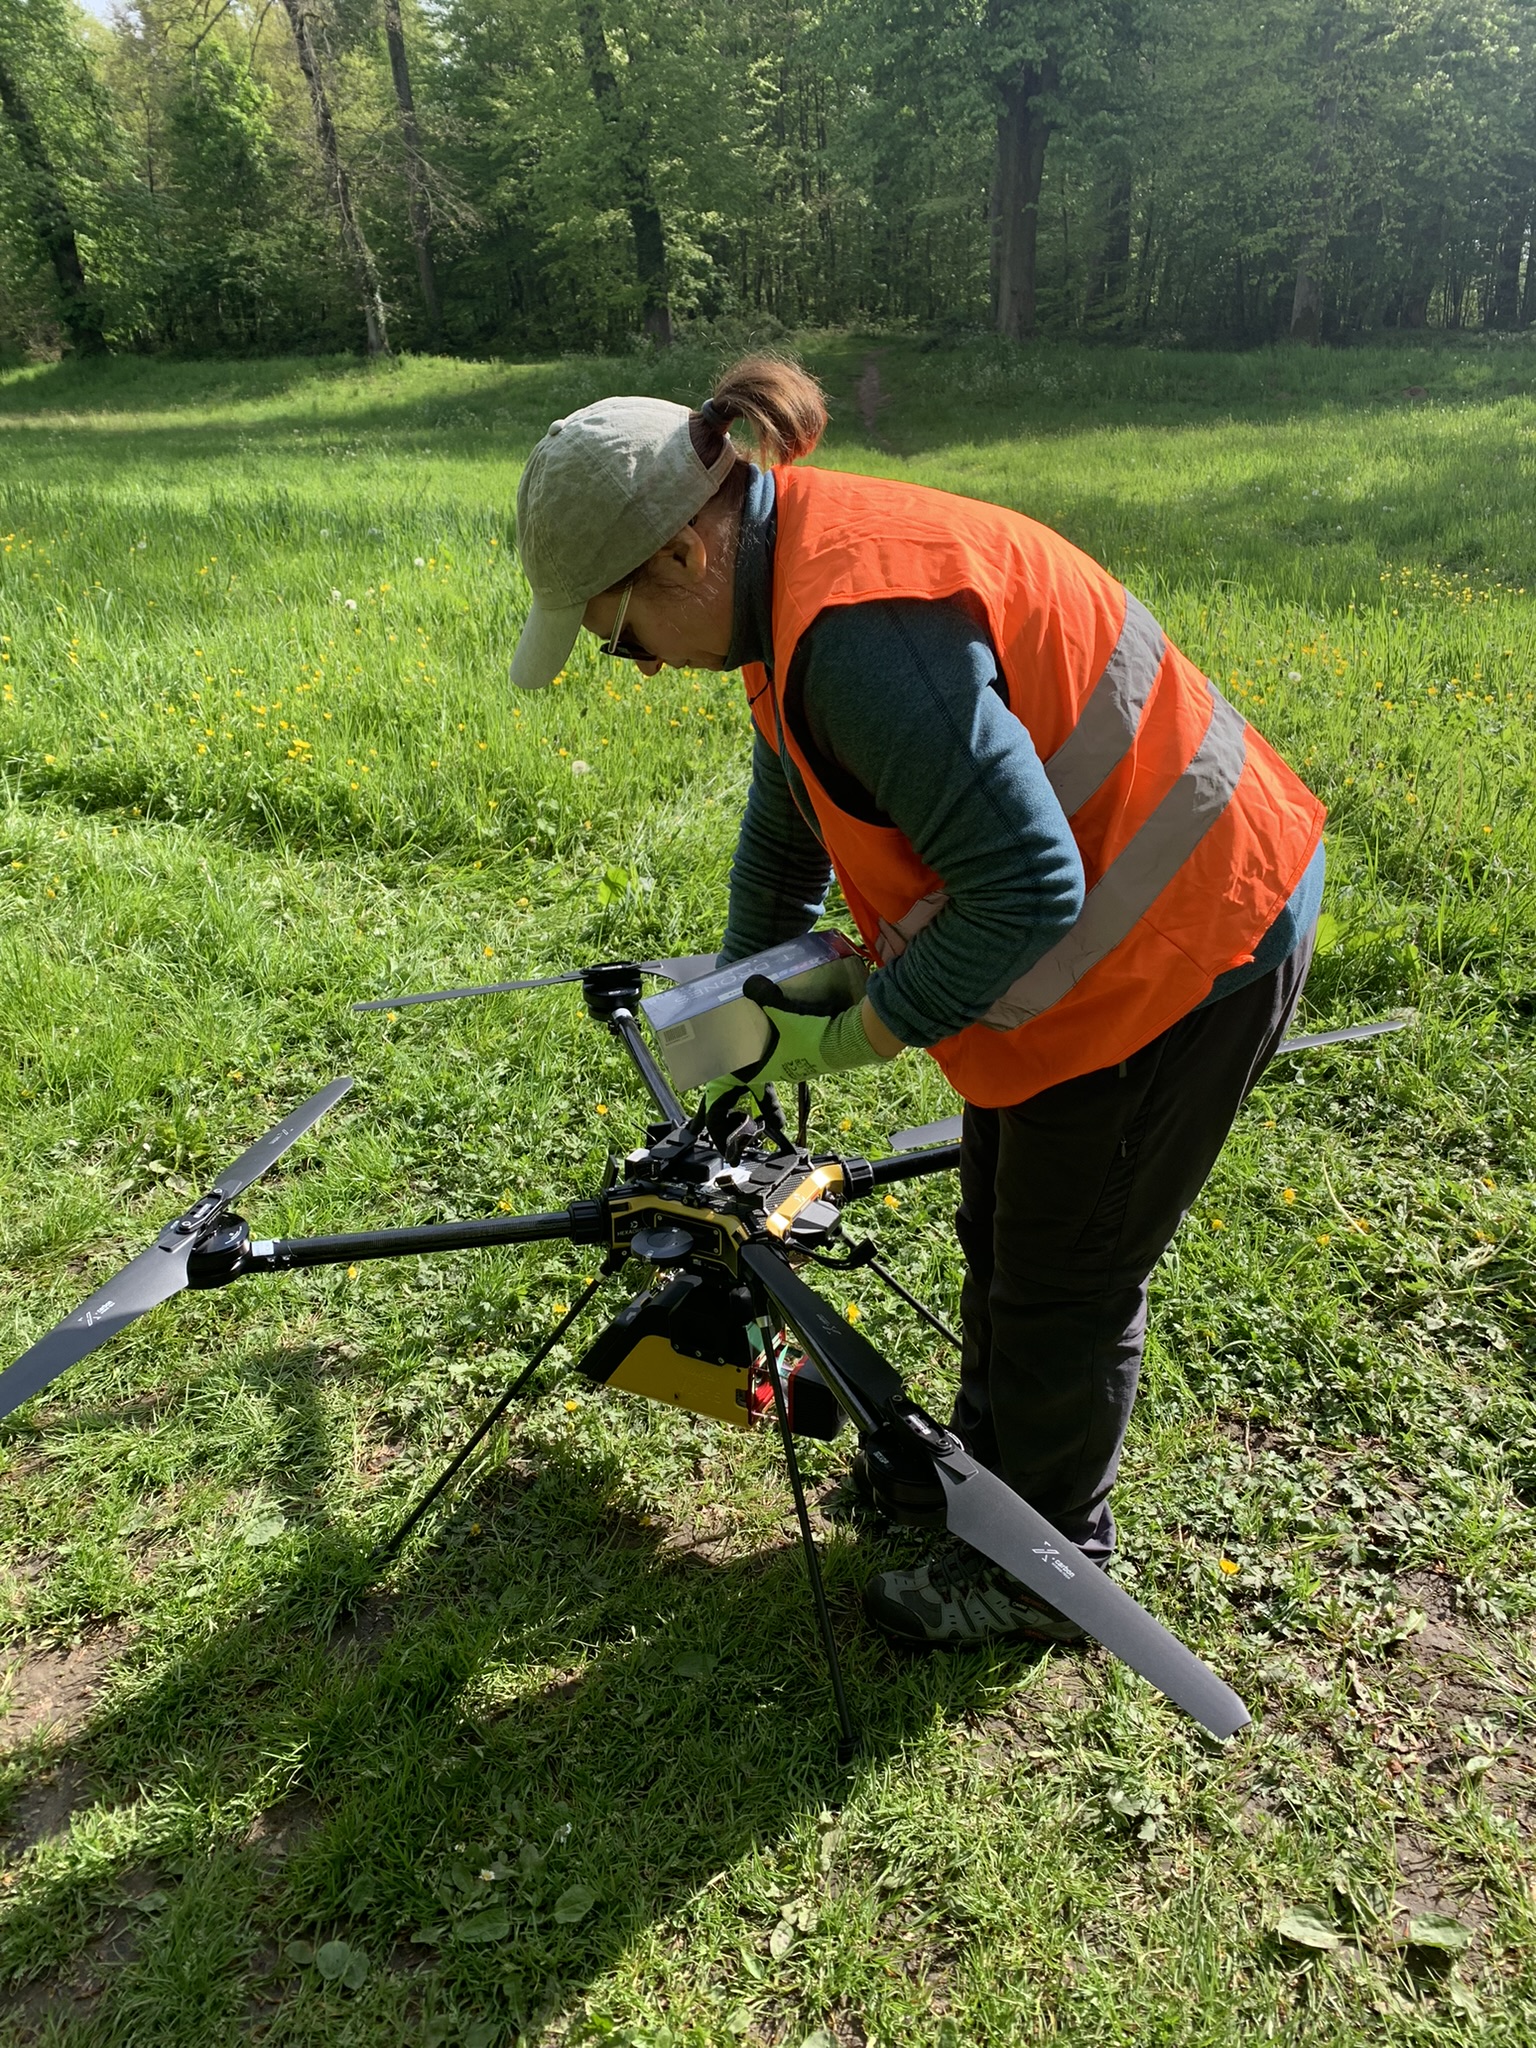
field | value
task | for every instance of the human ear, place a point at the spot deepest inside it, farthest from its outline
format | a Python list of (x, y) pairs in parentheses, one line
[(684, 560)]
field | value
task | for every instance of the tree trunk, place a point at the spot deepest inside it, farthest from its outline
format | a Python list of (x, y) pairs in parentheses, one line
[(1307, 303), (1106, 305), (1023, 130), (360, 256), (415, 171), (1307, 299), (634, 176), (51, 220), (1504, 310)]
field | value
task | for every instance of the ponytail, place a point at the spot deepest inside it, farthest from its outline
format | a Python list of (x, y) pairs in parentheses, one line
[(783, 405)]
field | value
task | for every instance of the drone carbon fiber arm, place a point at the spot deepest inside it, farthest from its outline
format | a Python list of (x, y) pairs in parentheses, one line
[(980, 1509)]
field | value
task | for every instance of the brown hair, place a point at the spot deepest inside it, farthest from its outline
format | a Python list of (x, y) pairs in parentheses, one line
[(782, 403)]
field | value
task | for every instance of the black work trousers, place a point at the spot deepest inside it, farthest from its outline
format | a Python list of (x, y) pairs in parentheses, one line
[(1067, 1202)]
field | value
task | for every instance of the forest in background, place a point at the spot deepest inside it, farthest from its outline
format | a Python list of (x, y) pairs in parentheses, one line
[(526, 176)]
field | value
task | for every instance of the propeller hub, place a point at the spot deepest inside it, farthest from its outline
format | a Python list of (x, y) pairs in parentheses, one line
[(219, 1256), (615, 985)]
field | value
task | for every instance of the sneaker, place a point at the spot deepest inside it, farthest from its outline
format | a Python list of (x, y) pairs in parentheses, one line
[(959, 1600)]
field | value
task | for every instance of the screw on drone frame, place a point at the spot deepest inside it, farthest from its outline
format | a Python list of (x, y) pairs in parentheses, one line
[(388, 1549), (848, 1744)]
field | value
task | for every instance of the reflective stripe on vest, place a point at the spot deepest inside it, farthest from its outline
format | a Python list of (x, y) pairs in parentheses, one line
[(1104, 734), (1139, 874), (1110, 719)]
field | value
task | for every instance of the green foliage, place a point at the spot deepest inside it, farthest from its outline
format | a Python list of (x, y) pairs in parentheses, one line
[(820, 165)]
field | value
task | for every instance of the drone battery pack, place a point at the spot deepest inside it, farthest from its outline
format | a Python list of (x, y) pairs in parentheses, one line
[(707, 1028)]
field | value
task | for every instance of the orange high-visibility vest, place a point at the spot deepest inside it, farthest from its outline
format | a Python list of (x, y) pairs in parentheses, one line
[(1193, 832)]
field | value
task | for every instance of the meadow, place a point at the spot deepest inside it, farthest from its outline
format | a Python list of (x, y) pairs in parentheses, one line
[(567, 1772)]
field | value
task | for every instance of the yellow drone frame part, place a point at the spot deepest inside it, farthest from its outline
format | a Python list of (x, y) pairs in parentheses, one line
[(820, 1181)]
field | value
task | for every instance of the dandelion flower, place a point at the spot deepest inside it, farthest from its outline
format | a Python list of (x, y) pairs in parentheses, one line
[(581, 768), (1229, 1567), (852, 1311), (1287, 1194), (351, 604)]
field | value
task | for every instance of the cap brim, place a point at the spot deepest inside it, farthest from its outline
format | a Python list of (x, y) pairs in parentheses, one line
[(544, 645)]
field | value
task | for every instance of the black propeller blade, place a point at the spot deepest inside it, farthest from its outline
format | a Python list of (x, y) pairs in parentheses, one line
[(984, 1512), (687, 968), (991, 1517), (155, 1275), (944, 1132), (1350, 1031), (947, 1129)]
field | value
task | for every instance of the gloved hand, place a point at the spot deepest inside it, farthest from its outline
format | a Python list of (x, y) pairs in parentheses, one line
[(806, 1040)]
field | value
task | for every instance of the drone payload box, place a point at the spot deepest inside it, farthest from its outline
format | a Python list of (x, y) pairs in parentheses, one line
[(707, 1028)]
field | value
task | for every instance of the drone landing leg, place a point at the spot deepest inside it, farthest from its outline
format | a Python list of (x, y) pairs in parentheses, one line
[(848, 1746), (388, 1549), (912, 1302)]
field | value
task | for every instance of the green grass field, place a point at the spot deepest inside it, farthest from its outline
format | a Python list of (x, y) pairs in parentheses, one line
[(568, 1773)]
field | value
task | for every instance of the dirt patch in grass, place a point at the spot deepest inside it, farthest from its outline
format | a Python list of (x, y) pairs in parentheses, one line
[(46, 1808), (68, 1995), (275, 1834), (52, 1692), (361, 1635), (54, 1689)]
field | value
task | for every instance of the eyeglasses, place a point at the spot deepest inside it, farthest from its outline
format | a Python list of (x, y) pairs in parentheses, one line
[(616, 644)]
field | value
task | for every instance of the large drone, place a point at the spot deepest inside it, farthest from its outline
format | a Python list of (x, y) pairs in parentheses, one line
[(721, 1227)]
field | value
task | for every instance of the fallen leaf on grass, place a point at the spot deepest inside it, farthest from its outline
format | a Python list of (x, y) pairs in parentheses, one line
[(1302, 1927), (694, 1664), (782, 1940), (263, 1530)]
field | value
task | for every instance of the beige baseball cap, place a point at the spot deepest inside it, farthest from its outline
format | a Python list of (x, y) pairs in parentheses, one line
[(604, 489)]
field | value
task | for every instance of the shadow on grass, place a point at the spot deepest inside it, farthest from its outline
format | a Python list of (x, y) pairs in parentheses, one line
[(602, 1715)]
